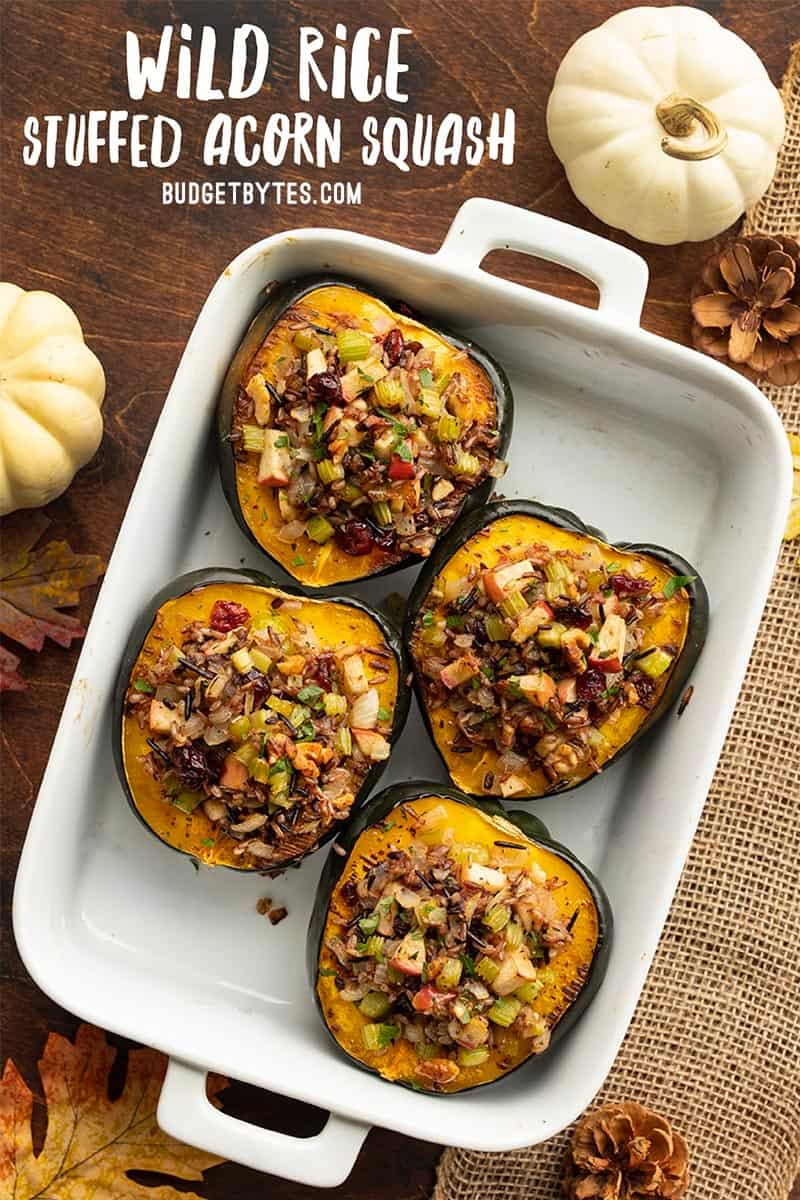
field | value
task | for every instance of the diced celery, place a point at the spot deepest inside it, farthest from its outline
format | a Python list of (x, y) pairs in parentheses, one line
[(430, 913), (374, 947), (329, 471), (382, 512), (253, 438), (353, 345), (344, 740), (188, 801), (239, 728), (261, 661), (449, 428), (334, 704), (351, 492), (246, 753), (472, 1058), (654, 662), (462, 1012), (486, 969), (378, 1037), (514, 934), (389, 393), (299, 714), (552, 591), (513, 604), (496, 630), (319, 530), (259, 721), (466, 464), (242, 661), (305, 340), (504, 1011), (430, 403), (529, 991), (441, 383), (557, 569), (259, 770), (497, 918), (434, 635), (550, 636), (427, 1050), (375, 1005), (450, 975)]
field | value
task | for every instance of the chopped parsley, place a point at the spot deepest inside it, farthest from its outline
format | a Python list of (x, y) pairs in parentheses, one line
[(675, 582), (142, 685)]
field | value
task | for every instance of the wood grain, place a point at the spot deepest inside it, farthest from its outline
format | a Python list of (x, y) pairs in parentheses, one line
[(137, 274)]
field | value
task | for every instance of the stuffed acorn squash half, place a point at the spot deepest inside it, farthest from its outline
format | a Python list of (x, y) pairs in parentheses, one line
[(451, 942), (541, 652), (351, 435), (250, 719)]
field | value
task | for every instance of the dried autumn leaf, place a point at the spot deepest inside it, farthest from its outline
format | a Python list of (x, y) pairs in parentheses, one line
[(92, 1142), (793, 523), (34, 585)]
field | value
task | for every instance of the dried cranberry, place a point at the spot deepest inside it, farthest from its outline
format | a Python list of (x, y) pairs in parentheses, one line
[(590, 684), (575, 615), (385, 539), (260, 688), (413, 347), (645, 686), (319, 671), (227, 615), (393, 346), (191, 766), (354, 537), (626, 585), (325, 386)]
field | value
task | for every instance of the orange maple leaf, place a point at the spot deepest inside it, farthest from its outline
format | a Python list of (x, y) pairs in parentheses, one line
[(92, 1142)]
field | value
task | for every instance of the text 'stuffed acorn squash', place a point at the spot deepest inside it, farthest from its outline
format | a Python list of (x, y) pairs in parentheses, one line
[(250, 720), (541, 652), (351, 435), (451, 942)]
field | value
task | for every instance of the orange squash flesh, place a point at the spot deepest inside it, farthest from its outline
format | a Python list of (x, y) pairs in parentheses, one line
[(483, 550), (566, 975), (331, 306), (336, 625)]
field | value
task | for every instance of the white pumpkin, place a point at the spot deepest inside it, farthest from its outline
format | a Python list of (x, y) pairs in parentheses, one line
[(667, 124), (51, 390)]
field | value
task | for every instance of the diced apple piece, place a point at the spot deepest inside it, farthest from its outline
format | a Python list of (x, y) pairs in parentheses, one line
[(234, 774), (530, 621), (609, 649), (384, 444), (516, 969), (568, 691), (258, 392), (496, 583), (409, 957), (275, 467), (361, 377), (316, 363), (441, 489), (161, 717), (488, 878), (458, 672), (512, 786), (539, 688), (355, 679), (371, 744)]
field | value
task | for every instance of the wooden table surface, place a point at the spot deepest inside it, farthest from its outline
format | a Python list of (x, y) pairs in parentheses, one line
[(137, 273)]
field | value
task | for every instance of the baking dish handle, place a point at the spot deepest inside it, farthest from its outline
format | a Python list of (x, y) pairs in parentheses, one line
[(482, 225), (186, 1113)]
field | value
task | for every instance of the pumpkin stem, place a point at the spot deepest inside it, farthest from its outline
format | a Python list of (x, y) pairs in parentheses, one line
[(678, 116)]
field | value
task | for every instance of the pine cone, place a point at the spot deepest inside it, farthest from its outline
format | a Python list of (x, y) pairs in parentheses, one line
[(625, 1152), (746, 307)]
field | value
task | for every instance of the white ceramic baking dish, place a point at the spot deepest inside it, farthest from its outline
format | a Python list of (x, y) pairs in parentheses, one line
[(644, 438)]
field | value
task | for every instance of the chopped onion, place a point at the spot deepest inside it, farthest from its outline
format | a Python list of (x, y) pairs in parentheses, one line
[(405, 525), (382, 323), (291, 531), (509, 762), (498, 468), (215, 735), (221, 715), (364, 713), (168, 691)]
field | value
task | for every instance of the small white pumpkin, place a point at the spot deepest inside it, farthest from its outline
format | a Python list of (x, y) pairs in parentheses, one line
[(667, 124), (51, 390)]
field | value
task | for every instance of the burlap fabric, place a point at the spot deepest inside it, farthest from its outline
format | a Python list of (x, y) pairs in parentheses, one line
[(715, 1042)]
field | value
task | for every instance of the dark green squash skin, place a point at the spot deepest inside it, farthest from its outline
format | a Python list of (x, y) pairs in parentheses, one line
[(378, 809), (466, 527), (281, 298), (210, 575)]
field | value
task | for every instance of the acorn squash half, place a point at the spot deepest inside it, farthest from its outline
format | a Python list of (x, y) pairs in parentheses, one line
[(351, 435), (450, 942), (541, 652), (250, 720)]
